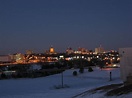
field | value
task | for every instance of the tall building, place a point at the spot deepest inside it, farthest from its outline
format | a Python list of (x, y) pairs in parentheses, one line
[(29, 52), (99, 50), (69, 50), (81, 51)]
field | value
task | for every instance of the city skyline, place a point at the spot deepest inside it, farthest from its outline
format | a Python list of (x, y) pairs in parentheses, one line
[(38, 24)]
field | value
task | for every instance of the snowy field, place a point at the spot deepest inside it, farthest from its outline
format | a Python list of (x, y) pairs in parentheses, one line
[(44, 87)]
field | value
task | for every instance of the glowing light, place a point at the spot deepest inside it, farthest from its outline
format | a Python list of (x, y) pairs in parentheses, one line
[(61, 56), (114, 65)]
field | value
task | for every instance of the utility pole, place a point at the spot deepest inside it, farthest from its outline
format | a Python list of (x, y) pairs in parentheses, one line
[(110, 76)]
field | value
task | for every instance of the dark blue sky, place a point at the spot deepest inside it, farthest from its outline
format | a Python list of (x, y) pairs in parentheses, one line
[(38, 24)]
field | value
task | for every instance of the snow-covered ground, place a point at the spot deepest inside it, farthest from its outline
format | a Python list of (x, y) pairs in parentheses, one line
[(44, 87)]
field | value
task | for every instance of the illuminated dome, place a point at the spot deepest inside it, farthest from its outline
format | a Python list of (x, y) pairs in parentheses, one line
[(52, 50)]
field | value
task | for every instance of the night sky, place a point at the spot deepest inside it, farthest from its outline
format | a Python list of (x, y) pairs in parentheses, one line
[(38, 24)]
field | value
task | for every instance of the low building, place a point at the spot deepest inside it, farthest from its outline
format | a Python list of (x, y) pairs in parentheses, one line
[(126, 64), (5, 58)]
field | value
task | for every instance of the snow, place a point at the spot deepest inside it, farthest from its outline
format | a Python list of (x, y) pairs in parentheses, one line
[(44, 87)]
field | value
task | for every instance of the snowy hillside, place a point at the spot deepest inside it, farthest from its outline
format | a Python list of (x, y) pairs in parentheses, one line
[(44, 87)]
